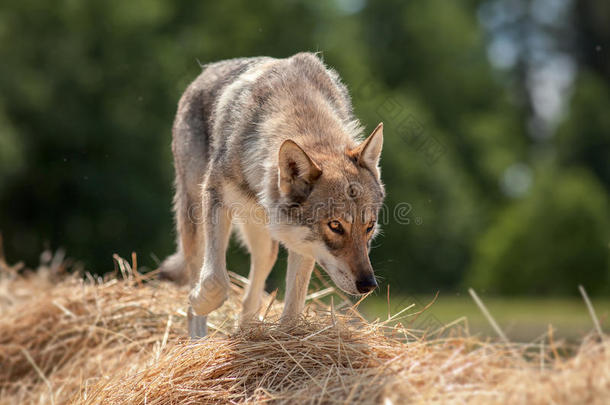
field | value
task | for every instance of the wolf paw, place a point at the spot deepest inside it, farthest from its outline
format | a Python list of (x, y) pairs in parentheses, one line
[(174, 269), (246, 320), (209, 294), (250, 311)]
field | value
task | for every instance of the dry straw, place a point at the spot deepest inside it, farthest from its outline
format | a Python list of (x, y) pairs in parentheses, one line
[(122, 340)]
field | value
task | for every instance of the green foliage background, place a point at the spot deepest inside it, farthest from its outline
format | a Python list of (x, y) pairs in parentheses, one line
[(497, 197)]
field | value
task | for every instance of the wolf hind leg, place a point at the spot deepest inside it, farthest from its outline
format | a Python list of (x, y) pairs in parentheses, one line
[(263, 254), (173, 269), (183, 266)]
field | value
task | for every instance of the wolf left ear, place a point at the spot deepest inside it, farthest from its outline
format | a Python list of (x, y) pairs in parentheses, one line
[(297, 171), (367, 154)]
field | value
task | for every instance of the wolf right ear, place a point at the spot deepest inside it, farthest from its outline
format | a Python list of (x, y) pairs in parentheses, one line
[(297, 171), (367, 154)]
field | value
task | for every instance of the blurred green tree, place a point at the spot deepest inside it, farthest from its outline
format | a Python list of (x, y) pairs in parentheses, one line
[(584, 137), (452, 130), (549, 242), (11, 151)]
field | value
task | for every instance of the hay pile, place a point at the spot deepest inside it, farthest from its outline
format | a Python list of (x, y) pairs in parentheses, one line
[(65, 340)]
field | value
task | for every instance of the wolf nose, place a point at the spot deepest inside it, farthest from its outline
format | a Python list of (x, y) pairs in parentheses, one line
[(366, 284)]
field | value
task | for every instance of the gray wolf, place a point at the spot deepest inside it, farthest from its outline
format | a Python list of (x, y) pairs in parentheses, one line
[(271, 147)]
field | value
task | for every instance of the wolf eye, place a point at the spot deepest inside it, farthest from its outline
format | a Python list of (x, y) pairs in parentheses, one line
[(370, 228), (336, 227)]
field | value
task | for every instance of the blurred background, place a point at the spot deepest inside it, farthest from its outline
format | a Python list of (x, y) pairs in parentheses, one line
[(497, 147)]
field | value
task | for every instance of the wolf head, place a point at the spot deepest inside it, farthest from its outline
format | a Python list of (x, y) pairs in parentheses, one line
[(328, 208)]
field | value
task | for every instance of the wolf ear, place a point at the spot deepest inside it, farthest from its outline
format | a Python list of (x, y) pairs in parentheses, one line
[(297, 171), (367, 154)]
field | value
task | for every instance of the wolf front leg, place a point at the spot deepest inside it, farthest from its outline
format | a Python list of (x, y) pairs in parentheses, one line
[(211, 288), (263, 254), (298, 274)]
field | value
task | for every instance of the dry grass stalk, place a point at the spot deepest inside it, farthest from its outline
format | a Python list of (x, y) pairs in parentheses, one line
[(117, 341)]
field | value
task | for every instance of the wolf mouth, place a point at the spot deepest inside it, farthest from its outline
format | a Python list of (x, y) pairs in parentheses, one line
[(331, 273)]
